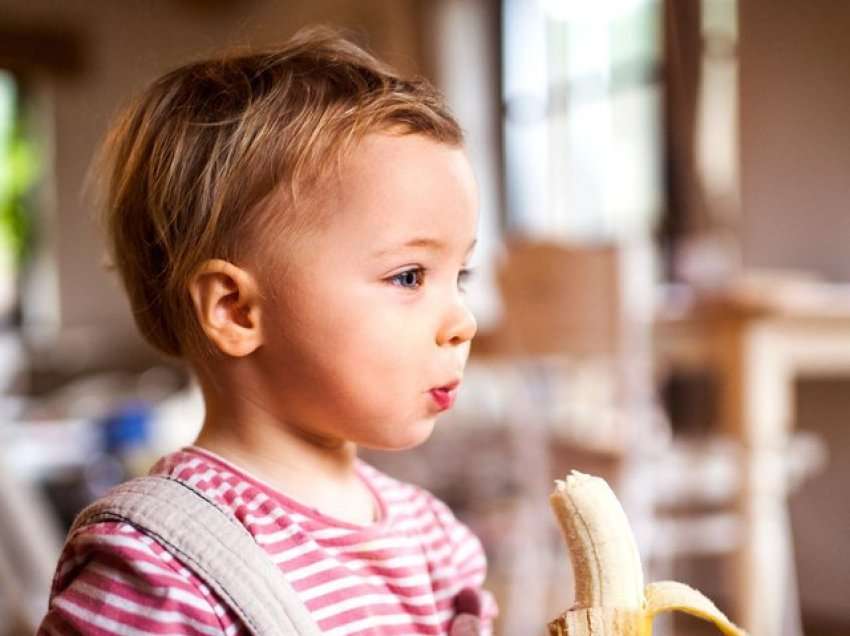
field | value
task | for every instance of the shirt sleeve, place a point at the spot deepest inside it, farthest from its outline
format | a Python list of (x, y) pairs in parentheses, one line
[(469, 561), (114, 579)]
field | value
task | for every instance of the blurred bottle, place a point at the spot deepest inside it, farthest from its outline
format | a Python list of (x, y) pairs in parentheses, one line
[(127, 452)]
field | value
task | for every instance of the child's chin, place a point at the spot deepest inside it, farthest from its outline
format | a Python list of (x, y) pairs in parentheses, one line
[(413, 436)]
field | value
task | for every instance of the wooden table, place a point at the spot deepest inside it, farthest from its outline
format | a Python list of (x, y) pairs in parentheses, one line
[(759, 344)]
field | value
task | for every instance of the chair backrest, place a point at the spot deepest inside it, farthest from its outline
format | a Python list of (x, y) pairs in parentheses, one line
[(561, 298)]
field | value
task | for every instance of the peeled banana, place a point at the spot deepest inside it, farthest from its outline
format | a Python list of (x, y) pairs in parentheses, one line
[(611, 599)]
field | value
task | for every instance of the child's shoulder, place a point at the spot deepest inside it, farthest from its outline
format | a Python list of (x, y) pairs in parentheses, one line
[(116, 569), (188, 463), (113, 569)]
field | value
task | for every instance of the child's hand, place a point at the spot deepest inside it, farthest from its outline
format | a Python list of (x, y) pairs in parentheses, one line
[(466, 625), (467, 620)]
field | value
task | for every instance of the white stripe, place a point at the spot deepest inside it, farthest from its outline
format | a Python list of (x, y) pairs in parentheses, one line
[(335, 585), (175, 593), (407, 506), (217, 493), (356, 566), (446, 572), (253, 503), (266, 518), (298, 518), (101, 621), (294, 518), (439, 554), (412, 560), (146, 567), (378, 621), (465, 550), (233, 628), (313, 568), (427, 619), (331, 533), (133, 542), (131, 607), (379, 599), (331, 586), (293, 553), (204, 476), (383, 543), (277, 537)]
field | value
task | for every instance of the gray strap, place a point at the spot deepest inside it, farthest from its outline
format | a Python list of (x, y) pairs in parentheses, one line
[(210, 541)]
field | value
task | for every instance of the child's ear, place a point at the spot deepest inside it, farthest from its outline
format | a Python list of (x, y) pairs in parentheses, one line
[(227, 305)]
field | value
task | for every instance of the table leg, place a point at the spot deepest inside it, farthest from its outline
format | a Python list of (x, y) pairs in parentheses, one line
[(763, 416)]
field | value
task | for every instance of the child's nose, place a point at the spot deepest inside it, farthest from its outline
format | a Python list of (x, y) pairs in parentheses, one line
[(458, 326)]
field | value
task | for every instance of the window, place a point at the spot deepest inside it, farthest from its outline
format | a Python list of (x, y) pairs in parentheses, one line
[(17, 176), (582, 94)]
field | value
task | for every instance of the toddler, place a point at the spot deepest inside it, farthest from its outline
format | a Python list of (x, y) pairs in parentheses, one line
[(295, 224)]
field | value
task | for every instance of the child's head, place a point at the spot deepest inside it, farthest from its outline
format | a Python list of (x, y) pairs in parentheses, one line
[(257, 206)]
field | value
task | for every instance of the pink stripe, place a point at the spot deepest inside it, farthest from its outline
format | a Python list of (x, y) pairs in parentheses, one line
[(365, 589), (128, 566), (401, 630), (146, 623), (353, 615), (301, 561), (403, 591), (142, 594), (355, 539)]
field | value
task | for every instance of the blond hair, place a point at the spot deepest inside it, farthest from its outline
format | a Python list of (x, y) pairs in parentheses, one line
[(190, 169)]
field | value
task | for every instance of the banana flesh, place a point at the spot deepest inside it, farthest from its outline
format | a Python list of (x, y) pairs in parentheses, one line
[(603, 552), (611, 599)]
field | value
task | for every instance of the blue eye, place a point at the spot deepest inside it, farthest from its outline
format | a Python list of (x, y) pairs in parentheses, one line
[(409, 279), (415, 278)]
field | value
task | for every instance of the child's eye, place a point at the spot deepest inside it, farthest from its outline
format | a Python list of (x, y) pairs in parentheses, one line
[(463, 276), (415, 278), (409, 279)]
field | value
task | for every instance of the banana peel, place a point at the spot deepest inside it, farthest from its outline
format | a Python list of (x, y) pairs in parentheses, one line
[(611, 598)]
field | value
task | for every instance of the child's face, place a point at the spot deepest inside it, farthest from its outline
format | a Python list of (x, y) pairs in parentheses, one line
[(362, 327)]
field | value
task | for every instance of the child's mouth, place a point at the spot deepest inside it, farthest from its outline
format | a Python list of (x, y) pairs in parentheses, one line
[(444, 396)]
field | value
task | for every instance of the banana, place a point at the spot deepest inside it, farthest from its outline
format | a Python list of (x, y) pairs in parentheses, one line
[(611, 599)]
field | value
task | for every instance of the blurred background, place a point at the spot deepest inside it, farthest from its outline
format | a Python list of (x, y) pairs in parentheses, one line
[(662, 288)]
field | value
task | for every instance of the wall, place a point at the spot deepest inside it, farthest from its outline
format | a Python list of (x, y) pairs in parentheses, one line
[(795, 134), (820, 512), (795, 156), (122, 47)]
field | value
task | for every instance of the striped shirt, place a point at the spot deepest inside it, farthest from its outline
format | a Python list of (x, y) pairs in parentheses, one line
[(397, 576)]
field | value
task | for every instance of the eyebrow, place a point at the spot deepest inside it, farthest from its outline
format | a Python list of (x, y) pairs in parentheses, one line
[(432, 244)]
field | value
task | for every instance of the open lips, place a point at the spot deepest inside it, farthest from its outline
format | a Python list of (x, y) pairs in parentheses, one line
[(444, 396)]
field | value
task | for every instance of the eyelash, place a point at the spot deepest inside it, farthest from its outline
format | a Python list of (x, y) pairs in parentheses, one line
[(463, 276)]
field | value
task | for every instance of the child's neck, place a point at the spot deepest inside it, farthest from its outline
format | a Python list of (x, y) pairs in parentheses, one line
[(320, 476), (271, 454)]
